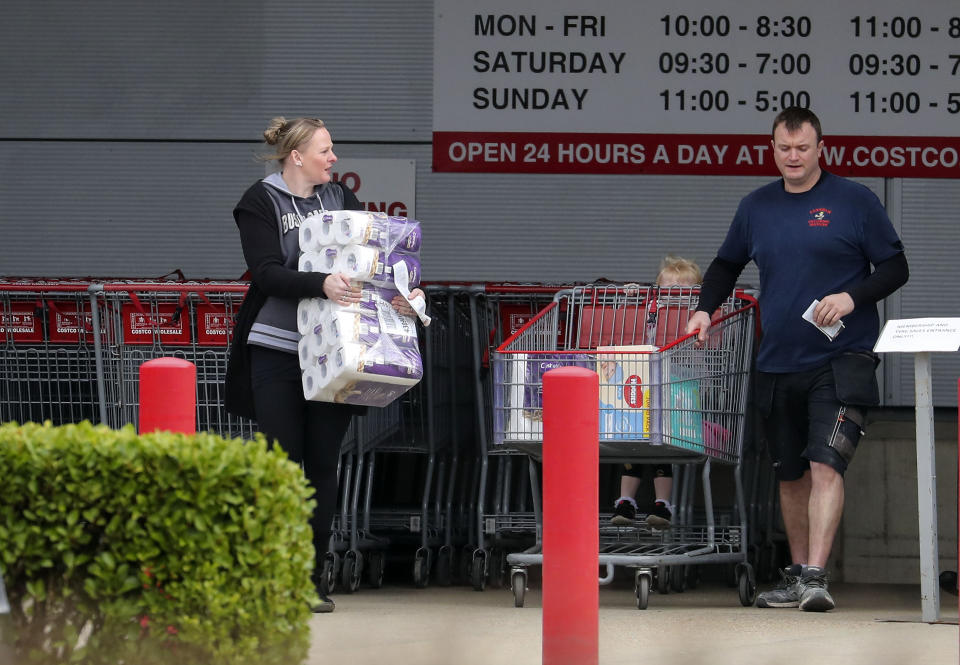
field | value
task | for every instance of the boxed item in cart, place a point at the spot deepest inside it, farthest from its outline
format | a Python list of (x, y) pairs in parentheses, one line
[(625, 391), (685, 424), (522, 399), (536, 365)]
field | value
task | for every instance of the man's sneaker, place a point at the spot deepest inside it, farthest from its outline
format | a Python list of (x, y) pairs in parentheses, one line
[(624, 513), (659, 516), (324, 606), (787, 593), (814, 596)]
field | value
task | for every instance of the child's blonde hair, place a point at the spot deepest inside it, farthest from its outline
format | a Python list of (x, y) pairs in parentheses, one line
[(678, 271)]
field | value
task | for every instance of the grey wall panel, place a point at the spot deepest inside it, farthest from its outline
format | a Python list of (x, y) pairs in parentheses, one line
[(119, 209), (215, 70), (932, 243)]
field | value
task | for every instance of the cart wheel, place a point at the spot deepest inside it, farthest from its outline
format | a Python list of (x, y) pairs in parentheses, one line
[(421, 571), (328, 574), (642, 585), (663, 579), (376, 566), (518, 580), (478, 575), (678, 578), (445, 566), (357, 577), (349, 572), (748, 590)]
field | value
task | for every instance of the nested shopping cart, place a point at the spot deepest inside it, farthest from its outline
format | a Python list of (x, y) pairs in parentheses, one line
[(47, 354), (505, 492), (664, 398)]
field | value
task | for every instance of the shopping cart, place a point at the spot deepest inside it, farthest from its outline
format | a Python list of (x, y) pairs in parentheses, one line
[(143, 320), (663, 398), (408, 442), (47, 352), (505, 484)]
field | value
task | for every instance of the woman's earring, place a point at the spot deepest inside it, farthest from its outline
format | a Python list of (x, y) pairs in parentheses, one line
[(299, 163)]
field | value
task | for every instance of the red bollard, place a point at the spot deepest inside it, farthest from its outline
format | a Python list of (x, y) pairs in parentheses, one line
[(168, 396), (571, 423)]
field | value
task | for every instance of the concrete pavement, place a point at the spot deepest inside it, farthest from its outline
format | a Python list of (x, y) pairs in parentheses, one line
[(400, 625)]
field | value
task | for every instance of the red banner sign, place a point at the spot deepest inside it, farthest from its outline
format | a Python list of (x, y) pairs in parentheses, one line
[(686, 154)]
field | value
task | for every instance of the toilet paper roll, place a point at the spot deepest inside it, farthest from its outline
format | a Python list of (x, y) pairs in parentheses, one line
[(316, 231), (310, 262), (375, 229), (323, 260), (310, 312), (357, 327), (359, 262), (316, 341), (355, 227), (317, 381), (307, 357)]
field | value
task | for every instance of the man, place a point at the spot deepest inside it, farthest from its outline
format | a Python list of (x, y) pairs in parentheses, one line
[(813, 236)]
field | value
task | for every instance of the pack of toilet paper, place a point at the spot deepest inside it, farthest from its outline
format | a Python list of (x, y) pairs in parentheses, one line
[(363, 353)]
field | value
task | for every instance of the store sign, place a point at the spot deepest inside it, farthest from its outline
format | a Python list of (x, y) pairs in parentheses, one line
[(692, 87), (381, 185)]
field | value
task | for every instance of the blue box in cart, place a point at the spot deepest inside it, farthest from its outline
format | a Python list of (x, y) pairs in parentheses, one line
[(625, 391), (686, 418)]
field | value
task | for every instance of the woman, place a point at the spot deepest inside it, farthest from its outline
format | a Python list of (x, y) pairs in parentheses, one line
[(263, 376)]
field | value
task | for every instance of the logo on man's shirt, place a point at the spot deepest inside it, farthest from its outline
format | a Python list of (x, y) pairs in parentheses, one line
[(819, 217)]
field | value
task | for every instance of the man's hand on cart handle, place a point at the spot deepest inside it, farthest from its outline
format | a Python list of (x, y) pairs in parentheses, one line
[(699, 322)]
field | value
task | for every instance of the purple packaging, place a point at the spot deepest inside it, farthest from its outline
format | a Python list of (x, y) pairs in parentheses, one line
[(357, 327), (408, 236), (384, 275), (537, 364), (388, 358), (392, 234)]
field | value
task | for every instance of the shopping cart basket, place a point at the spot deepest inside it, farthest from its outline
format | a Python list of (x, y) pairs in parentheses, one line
[(663, 397)]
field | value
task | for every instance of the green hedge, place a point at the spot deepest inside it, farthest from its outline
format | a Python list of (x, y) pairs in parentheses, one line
[(162, 548)]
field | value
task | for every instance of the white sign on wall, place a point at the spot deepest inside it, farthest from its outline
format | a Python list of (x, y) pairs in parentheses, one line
[(381, 185), (919, 336), (692, 86)]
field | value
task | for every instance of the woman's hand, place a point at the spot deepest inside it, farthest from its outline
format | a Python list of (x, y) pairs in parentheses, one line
[(339, 290), (402, 306)]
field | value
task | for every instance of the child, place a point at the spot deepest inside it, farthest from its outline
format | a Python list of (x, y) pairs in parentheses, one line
[(674, 271)]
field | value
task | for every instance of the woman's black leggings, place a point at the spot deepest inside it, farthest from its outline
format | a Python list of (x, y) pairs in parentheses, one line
[(310, 432)]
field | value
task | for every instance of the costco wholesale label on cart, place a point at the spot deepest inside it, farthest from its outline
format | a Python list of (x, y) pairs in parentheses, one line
[(692, 86)]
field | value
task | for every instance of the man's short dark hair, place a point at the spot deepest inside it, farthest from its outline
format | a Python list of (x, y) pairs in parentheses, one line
[(793, 118)]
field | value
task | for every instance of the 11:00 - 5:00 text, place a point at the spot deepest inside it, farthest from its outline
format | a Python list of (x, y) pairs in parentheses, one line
[(719, 100)]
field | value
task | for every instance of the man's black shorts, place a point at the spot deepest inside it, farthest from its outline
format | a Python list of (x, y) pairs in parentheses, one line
[(806, 422)]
